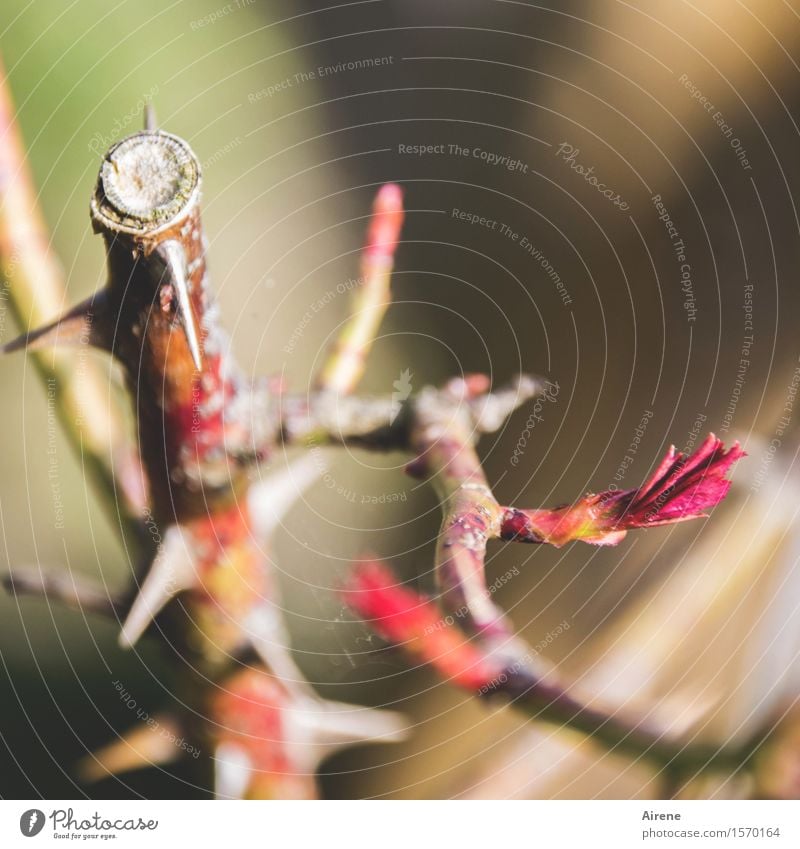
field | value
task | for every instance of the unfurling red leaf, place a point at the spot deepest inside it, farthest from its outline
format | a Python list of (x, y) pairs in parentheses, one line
[(682, 487)]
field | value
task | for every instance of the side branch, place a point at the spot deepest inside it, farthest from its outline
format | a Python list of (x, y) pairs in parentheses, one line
[(373, 422), (413, 623), (346, 362), (64, 587), (442, 427), (33, 282)]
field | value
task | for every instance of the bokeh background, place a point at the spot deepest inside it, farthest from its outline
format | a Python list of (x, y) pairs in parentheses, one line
[(299, 110)]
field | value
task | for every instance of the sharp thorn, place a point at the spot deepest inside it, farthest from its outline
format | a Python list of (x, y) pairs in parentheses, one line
[(84, 324), (175, 260), (334, 725), (268, 637), (270, 499), (172, 572), (151, 744), (150, 120), (232, 771)]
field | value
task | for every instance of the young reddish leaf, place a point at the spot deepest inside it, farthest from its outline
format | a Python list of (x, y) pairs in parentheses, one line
[(682, 487)]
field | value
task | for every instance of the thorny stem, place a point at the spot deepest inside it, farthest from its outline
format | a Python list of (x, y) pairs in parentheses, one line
[(489, 669), (158, 318), (200, 426)]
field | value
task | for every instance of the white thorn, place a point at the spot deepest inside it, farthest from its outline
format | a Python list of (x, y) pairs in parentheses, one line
[(270, 499), (175, 259), (334, 725), (150, 120), (232, 771), (171, 572), (268, 636)]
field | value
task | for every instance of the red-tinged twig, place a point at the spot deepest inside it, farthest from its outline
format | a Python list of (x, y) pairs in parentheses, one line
[(347, 359), (36, 292), (440, 428), (443, 434), (415, 625)]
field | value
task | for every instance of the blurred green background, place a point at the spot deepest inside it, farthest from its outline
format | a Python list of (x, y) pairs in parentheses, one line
[(289, 172)]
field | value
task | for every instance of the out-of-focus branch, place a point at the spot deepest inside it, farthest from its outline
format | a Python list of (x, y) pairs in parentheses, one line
[(35, 290), (413, 623), (64, 587), (442, 427), (347, 358), (374, 422)]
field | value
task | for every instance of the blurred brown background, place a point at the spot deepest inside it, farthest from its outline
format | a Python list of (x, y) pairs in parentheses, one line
[(292, 156)]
